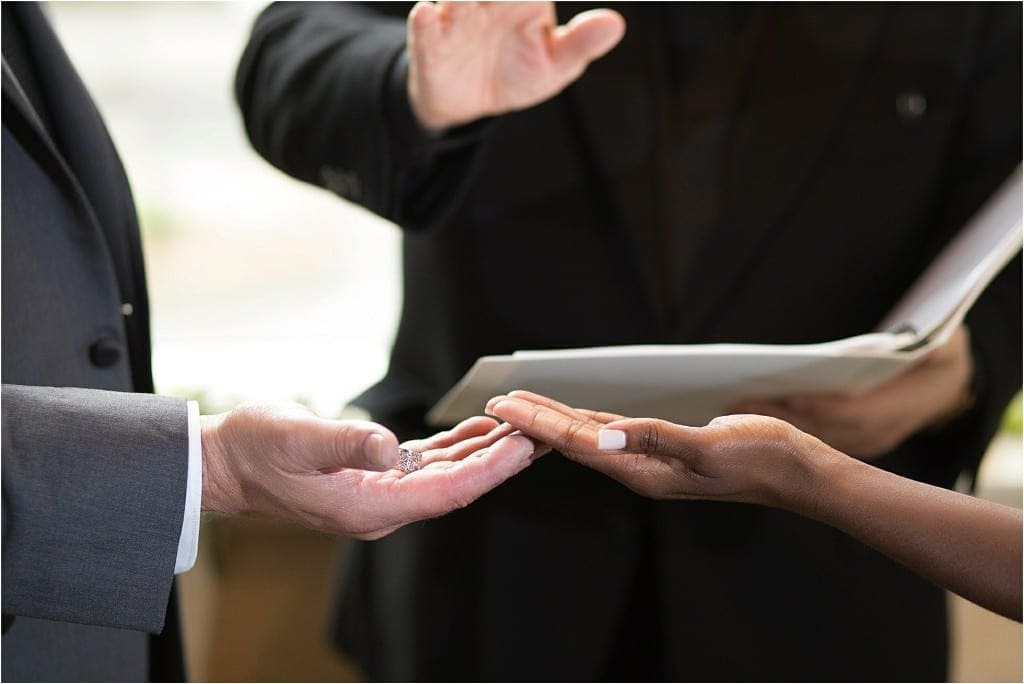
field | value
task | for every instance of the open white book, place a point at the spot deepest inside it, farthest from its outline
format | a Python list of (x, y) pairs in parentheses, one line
[(692, 384)]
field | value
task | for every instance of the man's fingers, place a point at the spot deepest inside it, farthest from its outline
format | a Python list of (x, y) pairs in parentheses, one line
[(438, 490), (370, 505), (470, 444), (586, 37), (547, 425), (329, 445), (471, 427)]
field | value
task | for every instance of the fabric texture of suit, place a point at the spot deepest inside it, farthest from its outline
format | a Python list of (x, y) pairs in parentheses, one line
[(526, 232), (94, 471)]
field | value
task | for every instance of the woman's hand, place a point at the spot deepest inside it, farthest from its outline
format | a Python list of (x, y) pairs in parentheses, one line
[(751, 459), (968, 545)]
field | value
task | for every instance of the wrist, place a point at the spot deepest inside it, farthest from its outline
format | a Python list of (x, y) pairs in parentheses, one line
[(428, 121), (962, 403), (812, 467), (965, 369), (218, 493)]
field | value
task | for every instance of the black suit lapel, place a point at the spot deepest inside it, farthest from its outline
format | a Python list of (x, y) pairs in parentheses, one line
[(79, 132), (21, 119), (776, 148), (82, 160)]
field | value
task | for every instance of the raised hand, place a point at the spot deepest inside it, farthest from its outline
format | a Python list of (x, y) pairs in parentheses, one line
[(338, 476), (733, 458), (468, 60)]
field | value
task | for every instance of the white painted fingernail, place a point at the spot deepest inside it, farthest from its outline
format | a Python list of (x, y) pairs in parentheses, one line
[(609, 440)]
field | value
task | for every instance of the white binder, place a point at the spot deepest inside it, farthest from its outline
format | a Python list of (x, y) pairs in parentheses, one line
[(692, 384)]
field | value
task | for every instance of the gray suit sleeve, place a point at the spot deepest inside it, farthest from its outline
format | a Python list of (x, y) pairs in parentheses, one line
[(93, 498)]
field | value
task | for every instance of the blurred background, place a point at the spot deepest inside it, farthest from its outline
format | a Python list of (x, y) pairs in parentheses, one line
[(264, 288)]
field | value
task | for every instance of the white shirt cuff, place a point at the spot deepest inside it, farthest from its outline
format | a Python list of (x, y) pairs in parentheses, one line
[(188, 542)]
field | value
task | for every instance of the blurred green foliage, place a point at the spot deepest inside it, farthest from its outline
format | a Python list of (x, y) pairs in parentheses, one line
[(1012, 419), (156, 222)]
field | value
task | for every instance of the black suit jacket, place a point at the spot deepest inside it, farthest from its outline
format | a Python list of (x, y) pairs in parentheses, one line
[(93, 481), (522, 232)]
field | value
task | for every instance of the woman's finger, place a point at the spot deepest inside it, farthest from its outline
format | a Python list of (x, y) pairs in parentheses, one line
[(545, 424), (653, 437)]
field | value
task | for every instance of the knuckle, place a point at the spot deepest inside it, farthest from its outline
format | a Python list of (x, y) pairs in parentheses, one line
[(291, 441), (343, 438), (572, 433), (651, 438), (534, 416), (636, 462)]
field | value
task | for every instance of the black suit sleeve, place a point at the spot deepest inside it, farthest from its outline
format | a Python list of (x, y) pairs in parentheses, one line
[(93, 500), (321, 87), (985, 151)]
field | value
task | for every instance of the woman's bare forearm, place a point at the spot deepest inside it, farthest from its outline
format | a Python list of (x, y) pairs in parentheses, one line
[(968, 545)]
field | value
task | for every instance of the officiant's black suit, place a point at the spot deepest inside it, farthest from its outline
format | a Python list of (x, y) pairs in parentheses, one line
[(773, 174)]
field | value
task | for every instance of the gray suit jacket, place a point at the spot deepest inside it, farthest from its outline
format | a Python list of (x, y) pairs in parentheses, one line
[(94, 470)]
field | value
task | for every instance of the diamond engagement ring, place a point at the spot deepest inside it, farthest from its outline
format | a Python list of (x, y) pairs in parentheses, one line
[(408, 460)]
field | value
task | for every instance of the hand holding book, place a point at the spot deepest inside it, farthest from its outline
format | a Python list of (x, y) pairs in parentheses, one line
[(933, 390), (912, 356)]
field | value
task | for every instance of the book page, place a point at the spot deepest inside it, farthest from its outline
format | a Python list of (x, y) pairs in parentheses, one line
[(951, 284), (685, 385)]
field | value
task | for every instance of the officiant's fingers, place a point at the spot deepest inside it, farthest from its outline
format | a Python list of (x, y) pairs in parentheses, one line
[(841, 423), (781, 409), (775, 408), (564, 433), (466, 447), (871, 425)]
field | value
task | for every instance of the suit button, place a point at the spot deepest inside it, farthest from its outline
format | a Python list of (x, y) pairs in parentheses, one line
[(911, 105), (104, 352)]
